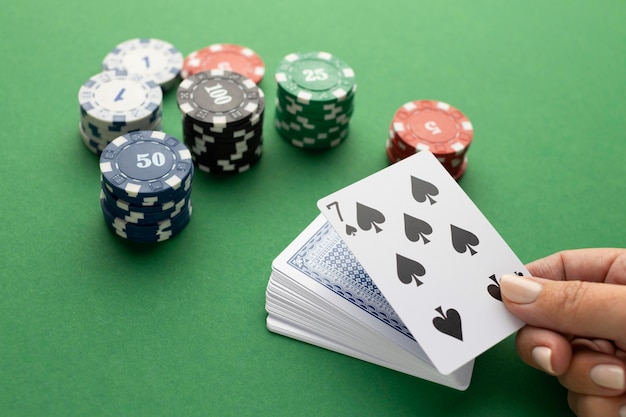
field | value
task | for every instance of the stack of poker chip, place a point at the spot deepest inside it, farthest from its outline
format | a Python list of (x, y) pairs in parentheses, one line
[(315, 99), (116, 102), (153, 58), (146, 186), (434, 126), (222, 120), (225, 56)]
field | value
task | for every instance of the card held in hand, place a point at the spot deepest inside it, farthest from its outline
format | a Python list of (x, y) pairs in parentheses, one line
[(433, 255)]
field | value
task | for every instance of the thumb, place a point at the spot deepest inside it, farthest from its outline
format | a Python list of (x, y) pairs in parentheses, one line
[(585, 309)]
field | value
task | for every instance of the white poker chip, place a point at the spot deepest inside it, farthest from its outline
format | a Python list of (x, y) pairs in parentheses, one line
[(113, 103), (150, 57), (117, 97)]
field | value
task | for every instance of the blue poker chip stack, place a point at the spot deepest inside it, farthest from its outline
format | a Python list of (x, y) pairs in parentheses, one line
[(146, 181)]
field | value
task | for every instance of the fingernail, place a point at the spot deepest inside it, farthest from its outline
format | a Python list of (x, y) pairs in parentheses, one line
[(608, 376), (519, 289), (622, 411), (542, 355)]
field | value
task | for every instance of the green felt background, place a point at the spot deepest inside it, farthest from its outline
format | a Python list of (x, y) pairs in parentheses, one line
[(93, 326)]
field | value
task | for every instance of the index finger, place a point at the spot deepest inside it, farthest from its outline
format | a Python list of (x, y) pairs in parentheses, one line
[(595, 265)]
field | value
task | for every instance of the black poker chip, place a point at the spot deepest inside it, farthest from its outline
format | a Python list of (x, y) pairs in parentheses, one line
[(222, 116)]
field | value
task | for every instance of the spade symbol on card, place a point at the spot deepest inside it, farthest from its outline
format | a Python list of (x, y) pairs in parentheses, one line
[(408, 270), (494, 289), (367, 217), (449, 323), (463, 240), (416, 229), (423, 190), (350, 230)]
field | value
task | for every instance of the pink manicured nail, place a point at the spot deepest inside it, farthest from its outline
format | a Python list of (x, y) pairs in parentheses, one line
[(608, 376), (542, 355), (520, 290)]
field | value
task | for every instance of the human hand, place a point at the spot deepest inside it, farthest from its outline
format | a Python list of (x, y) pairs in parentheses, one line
[(576, 325)]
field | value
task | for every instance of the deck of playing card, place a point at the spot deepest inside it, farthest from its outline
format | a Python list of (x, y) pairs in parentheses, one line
[(401, 270)]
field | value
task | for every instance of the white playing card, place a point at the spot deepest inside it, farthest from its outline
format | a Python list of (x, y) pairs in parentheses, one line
[(433, 255)]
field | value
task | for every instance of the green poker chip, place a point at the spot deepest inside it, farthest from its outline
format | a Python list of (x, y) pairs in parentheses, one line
[(314, 100), (313, 125), (318, 111), (315, 77)]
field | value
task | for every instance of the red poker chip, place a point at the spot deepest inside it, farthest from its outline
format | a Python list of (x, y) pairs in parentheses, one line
[(391, 153), (434, 126), (458, 173), (400, 148), (403, 151), (456, 166), (226, 57)]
